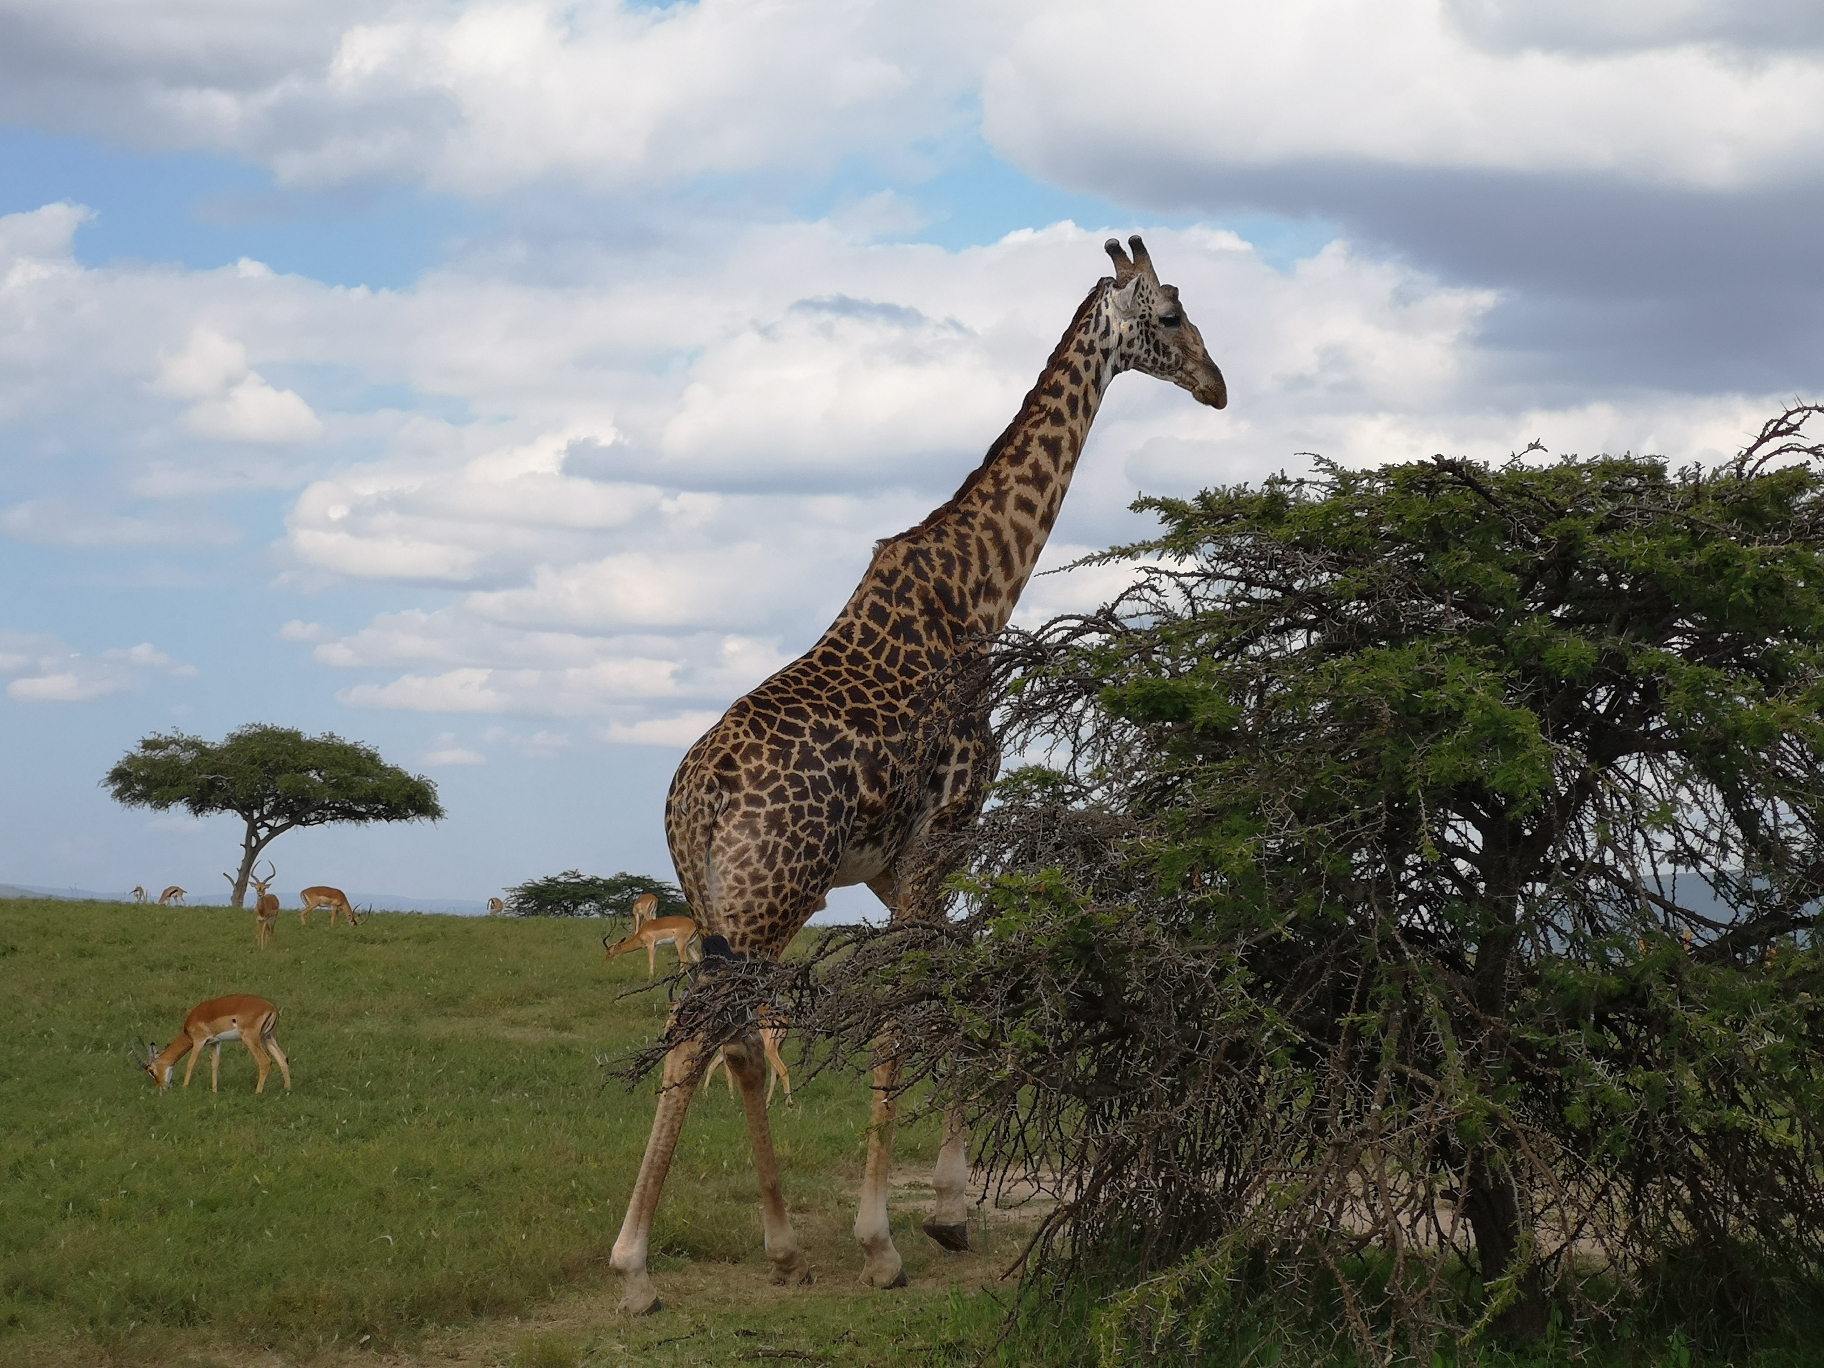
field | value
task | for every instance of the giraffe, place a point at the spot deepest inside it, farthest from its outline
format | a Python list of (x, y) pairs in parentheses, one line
[(827, 774)]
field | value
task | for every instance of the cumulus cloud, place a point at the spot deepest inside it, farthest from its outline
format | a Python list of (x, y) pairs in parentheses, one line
[(1405, 83), (444, 752), (45, 670), (479, 96), (678, 463), (484, 97), (234, 403)]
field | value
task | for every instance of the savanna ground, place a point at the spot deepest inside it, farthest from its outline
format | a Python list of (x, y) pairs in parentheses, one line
[(445, 1181)]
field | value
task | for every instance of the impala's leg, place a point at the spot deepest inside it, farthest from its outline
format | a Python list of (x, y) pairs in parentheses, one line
[(747, 1066), (652, 958), (882, 1266), (638, 1295), (271, 1042), (196, 1053), (949, 1223), (215, 1069), (251, 1039), (780, 1074)]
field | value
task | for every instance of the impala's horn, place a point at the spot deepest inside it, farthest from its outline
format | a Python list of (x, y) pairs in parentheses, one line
[(1124, 269)]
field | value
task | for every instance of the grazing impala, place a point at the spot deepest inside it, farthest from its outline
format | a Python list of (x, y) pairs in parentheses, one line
[(172, 897), (139, 894), (496, 907), (678, 932), (210, 1023), (324, 896)]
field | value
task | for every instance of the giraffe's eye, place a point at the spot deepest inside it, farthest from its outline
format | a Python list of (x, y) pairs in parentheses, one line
[(1170, 320)]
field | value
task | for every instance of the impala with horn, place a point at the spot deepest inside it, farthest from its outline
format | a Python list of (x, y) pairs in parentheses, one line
[(139, 894), (496, 907), (322, 895), (678, 932), (252, 1019), (265, 907)]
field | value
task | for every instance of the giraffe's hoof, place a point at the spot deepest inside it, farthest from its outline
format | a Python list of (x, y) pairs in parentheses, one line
[(794, 1274), (955, 1237), (900, 1281), (652, 1308)]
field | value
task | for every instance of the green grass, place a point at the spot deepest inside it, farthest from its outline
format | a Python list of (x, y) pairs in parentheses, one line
[(452, 1155)]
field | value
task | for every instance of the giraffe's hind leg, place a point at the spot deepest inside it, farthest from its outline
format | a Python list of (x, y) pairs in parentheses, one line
[(748, 1067)]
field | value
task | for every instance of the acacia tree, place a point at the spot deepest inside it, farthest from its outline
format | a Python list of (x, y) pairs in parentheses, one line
[(1428, 873), (275, 779), (575, 894)]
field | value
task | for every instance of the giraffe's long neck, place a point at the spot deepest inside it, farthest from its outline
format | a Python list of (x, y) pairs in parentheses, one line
[(961, 571)]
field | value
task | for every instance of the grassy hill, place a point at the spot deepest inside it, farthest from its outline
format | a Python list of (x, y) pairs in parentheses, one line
[(447, 1178)]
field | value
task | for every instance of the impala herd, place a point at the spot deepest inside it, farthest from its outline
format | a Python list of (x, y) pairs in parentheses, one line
[(252, 1020)]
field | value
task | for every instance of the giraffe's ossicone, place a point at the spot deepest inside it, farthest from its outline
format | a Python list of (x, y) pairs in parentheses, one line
[(846, 765)]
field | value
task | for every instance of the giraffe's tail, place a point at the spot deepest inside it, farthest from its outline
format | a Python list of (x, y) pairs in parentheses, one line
[(691, 817)]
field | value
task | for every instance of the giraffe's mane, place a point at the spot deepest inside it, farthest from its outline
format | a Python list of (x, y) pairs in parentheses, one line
[(1000, 443)]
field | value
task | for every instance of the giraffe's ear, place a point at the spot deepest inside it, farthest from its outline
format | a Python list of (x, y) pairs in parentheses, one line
[(1124, 269)]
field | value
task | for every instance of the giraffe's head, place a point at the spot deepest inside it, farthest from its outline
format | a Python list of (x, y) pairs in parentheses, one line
[(1152, 334)]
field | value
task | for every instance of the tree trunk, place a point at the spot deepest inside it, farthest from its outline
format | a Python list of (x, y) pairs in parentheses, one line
[(1493, 1208), (1491, 1199), (251, 846)]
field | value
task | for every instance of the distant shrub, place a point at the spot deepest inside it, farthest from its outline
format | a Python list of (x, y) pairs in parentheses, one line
[(575, 894)]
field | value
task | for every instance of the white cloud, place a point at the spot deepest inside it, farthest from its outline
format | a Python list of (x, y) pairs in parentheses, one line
[(48, 671), (1398, 82), (678, 731), (444, 751), (235, 404), (482, 96), (678, 463), (490, 95)]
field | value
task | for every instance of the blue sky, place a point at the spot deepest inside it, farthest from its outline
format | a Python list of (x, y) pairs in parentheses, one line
[(511, 386)]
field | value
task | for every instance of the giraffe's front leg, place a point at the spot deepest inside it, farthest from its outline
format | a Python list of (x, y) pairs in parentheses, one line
[(949, 1221), (882, 1266), (638, 1295)]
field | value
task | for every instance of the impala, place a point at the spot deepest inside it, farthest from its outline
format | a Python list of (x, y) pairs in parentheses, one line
[(265, 907), (645, 908), (678, 932), (496, 907), (322, 895), (171, 897), (772, 1035), (210, 1023)]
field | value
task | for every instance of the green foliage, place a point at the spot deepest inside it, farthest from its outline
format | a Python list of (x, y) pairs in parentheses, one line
[(575, 894), (274, 779), (1421, 924)]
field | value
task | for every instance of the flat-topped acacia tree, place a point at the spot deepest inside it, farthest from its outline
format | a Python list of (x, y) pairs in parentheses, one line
[(274, 779)]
